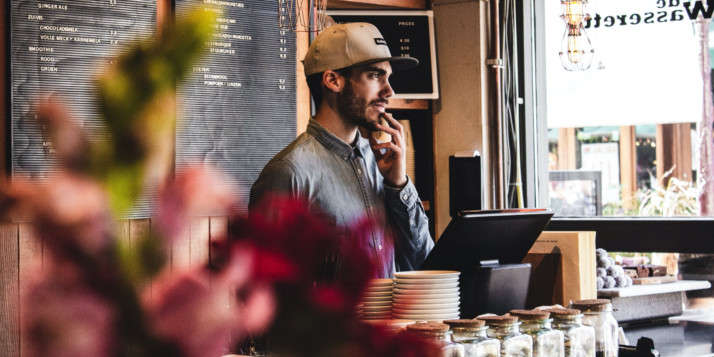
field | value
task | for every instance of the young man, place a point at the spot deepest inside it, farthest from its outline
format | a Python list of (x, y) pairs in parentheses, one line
[(345, 176)]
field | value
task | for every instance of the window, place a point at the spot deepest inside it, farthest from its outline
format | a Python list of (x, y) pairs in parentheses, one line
[(632, 117)]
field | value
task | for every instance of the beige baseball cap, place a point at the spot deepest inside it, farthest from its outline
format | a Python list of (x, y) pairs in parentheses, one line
[(348, 45)]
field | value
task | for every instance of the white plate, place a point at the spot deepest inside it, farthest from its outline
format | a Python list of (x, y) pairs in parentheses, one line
[(373, 314), (366, 300), (426, 317), (427, 286), (380, 282), (377, 293), (451, 311), (427, 274), (426, 281), (426, 300), (377, 303), (400, 291), (377, 309), (422, 306), (379, 288)]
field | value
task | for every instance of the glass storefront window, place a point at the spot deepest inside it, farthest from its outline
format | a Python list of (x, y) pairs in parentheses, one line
[(643, 90), (623, 136)]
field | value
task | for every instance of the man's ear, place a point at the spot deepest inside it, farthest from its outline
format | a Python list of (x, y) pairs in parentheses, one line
[(333, 81)]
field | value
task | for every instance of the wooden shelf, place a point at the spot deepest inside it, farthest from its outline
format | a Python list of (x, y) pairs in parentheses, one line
[(377, 4)]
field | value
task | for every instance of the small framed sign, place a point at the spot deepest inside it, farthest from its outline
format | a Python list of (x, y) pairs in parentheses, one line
[(408, 33)]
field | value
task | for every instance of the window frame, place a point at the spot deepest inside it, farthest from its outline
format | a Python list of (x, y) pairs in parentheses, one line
[(622, 234)]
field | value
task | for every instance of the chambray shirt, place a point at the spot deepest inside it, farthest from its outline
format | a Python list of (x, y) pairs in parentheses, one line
[(345, 183)]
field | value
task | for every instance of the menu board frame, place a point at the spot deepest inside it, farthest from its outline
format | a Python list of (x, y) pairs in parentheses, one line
[(387, 21), (55, 49), (238, 105)]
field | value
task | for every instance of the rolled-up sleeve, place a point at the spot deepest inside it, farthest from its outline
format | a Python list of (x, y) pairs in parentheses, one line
[(410, 226)]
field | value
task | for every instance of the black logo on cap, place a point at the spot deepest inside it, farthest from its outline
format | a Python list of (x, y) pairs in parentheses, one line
[(380, 41)]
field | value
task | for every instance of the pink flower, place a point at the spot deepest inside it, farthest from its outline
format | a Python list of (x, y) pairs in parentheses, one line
[(187, 313), (192, 309), (63, 317), (70, 214), (197, 191)]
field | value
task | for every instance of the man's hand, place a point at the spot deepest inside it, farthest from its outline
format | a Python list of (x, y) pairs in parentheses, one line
[(393, 162)]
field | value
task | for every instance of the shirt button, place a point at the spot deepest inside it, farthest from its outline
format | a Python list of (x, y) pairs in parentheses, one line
[(411, 221), (359, 171), (405, 196), (379, 247)]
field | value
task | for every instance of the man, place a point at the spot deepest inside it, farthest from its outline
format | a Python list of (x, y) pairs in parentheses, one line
[(331, 166)]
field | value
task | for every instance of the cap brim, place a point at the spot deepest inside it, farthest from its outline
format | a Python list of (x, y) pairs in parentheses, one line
[(403, 63), (397, 63)]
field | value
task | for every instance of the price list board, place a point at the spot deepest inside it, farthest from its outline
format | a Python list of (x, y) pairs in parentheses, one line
[(237, 108), (57, 49), (408, 33)]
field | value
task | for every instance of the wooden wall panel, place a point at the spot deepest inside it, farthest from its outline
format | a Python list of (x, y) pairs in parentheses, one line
[(458, 122), (30, 254), (181, 251), (9, 291), (199, 241), (137, 229), (218, 229)]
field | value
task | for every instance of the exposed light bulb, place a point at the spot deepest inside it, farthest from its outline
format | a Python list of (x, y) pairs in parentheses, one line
[(576, 52), (574, 11)]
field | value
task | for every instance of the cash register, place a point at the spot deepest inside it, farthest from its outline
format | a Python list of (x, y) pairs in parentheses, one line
[(487, 247)]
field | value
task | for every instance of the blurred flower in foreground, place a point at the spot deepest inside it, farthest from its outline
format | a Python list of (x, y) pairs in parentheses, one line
[(64, 317), (284, 273)]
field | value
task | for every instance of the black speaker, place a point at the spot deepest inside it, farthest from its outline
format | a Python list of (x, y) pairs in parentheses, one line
[(465, 184)]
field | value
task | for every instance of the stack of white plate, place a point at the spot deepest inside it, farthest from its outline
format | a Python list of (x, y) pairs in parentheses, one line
[(430, 295), (377, 300)]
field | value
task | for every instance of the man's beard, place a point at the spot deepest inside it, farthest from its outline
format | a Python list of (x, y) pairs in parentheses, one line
[(354, 109)]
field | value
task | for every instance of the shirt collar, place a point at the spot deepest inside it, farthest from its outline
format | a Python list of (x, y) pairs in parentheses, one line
[(335, 144)]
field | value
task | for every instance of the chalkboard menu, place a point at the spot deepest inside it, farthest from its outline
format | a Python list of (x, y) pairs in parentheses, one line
[(237, 109), (408, 33), (57, 47)]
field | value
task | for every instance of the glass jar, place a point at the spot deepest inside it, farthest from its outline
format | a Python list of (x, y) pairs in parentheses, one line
[(506, 330), (598, 314), (547, 342), (579, 339), (439, 333), (472, 335)]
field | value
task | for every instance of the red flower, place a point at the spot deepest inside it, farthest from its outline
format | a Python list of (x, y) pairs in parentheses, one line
[(331, 298)]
